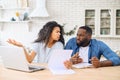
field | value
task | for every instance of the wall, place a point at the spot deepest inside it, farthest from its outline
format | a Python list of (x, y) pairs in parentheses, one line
[(62, 11)]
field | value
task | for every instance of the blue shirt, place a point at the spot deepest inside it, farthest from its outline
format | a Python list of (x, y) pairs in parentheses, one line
[(96, 49)]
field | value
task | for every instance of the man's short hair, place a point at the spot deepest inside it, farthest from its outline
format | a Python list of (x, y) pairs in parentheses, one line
[(87, 28)]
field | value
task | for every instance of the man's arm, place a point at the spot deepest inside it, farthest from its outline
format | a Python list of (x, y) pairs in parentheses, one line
[(106, 63), (109, 54), (96, 63)]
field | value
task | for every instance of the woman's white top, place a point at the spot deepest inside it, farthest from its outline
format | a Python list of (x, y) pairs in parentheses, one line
[(43, 54)]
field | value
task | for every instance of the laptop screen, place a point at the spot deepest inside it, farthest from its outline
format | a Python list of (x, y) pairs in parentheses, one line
[(14, 58)]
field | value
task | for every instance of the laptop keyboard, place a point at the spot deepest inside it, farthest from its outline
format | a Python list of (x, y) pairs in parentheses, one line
[(32, 68), (36, 67)]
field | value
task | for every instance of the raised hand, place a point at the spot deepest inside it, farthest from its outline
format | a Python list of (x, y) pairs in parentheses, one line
[(13, 42), (76, 59)]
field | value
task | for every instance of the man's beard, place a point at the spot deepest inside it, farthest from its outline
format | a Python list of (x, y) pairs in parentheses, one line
[(83, 43)]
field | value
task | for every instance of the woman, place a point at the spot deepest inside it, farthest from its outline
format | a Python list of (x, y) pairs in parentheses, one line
[(50, 37)]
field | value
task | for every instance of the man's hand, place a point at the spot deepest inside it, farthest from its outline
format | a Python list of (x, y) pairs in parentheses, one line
[(76, 59), (95, 62)]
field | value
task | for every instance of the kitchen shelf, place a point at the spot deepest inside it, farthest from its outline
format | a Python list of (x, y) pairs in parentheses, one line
[(14, 22), (12, 12)]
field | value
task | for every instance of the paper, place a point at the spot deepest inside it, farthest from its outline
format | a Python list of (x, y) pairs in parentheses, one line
[(56, 62), (82, 65)]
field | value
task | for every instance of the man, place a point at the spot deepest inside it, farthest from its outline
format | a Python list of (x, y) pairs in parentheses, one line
[(90, 50)]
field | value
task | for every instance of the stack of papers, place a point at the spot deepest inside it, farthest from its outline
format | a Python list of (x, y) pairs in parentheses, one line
[(82, 65), (56, 62)]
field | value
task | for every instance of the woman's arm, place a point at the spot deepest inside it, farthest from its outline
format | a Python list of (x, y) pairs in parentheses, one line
[(29, 56)]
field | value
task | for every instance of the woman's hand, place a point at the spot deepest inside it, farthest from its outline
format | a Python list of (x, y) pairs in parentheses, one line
[(13, 42), (68, 64)]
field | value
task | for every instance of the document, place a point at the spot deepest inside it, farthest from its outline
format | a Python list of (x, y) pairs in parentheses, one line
[(82, 65), (56, 62)]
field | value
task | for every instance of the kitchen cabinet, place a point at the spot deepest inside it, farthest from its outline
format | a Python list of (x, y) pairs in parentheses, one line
[(104, 22)]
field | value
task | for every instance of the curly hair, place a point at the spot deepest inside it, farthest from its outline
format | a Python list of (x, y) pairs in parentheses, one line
[(45, 33)]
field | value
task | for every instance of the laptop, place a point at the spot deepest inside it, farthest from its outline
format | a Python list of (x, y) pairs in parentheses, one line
[(14, 58)]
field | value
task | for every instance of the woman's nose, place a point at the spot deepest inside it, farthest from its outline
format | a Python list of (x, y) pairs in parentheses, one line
[(59, 33)]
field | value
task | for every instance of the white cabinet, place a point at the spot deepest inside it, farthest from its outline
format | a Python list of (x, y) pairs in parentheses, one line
[(90, 19), (104, 22), (118, 22)]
